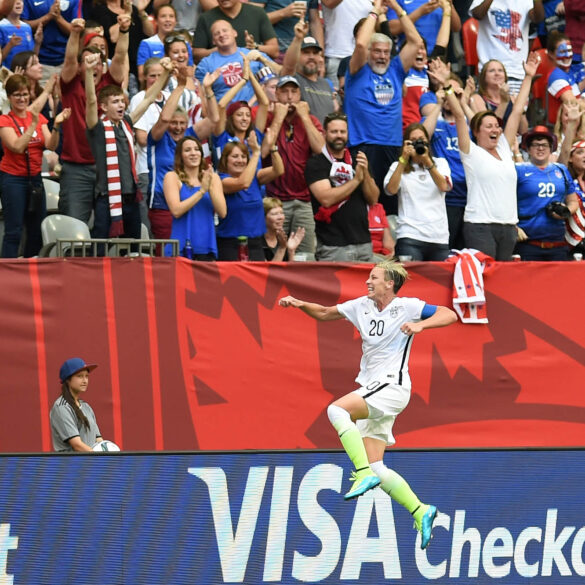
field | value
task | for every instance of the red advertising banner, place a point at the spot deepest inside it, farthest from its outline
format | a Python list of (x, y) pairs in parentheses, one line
[(200, 356)]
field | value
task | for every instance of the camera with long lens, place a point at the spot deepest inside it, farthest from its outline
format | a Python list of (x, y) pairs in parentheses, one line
[(420, 146), (559, 209)]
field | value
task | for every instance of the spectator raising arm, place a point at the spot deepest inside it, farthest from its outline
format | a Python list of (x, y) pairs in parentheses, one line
[(71, 63), (291, 57), (413, 42), (511, 129), (169, 109), (359, 56), (119, 65), (152, 91), (276, 169), (91, 106), (440, 73), (316, 140)]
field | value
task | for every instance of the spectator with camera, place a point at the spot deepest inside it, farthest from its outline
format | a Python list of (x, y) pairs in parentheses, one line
[(546, 197), (420, 181)]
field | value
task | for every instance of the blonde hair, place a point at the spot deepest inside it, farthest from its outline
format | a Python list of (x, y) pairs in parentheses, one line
[(271, 203), (394, 271)]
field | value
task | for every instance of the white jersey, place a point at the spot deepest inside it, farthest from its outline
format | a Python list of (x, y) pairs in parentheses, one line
[(385, 348)]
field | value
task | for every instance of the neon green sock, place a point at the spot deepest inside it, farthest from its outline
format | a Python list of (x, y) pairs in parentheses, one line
[(398, 489), (354, 446)]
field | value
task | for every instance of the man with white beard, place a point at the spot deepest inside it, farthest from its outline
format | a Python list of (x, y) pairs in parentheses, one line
[(373, 94)]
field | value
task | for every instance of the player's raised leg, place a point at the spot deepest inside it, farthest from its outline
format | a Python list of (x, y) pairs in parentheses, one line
[(342, 414)]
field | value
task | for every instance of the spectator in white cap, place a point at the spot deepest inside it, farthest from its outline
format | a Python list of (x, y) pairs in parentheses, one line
[(73, 423), (302, 61)]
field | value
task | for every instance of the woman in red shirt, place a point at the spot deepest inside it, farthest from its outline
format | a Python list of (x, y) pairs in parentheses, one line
[(24, 135)]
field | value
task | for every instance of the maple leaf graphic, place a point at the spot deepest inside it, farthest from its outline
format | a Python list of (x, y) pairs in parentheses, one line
[(506, 391), (235, 318)]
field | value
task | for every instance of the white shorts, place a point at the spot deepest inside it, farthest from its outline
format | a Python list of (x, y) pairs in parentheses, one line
[(385, 402)]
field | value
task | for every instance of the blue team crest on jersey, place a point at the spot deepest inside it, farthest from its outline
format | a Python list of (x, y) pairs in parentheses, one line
[(558, 174), (64, 5), (383, 90)]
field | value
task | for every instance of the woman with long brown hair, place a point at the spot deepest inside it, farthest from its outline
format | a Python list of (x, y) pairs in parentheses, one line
[(194, 194), (241, 182), (73, 423)]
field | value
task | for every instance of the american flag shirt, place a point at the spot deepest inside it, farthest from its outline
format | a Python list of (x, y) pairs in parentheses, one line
[(503, 34)]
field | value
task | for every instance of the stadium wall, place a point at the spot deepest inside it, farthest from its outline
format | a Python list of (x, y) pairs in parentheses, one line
[(198, 356), (508, 517)]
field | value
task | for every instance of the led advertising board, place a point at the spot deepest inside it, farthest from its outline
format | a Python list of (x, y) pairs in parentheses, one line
[(507, 517)]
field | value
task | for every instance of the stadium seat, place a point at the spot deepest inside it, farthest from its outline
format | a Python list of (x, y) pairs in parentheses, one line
[(539, 109), (52, 195), (469, 32), (57, 226)]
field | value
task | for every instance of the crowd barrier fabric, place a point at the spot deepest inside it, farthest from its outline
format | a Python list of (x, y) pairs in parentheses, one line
[(200, 356), (507, 517)]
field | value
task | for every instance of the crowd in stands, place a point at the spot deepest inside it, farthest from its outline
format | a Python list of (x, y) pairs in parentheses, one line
[(331, 130)]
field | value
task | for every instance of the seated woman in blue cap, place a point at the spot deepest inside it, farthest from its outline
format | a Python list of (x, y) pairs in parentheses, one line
[(73, 423)]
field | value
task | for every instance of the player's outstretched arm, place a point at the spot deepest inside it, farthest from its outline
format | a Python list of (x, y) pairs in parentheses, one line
[(319, 312), (443, 316)]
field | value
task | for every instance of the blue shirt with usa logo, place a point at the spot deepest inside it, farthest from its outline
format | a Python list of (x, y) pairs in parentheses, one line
[(536, 189)]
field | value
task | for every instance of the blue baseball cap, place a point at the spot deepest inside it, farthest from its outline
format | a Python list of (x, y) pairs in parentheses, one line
[(72, 366)]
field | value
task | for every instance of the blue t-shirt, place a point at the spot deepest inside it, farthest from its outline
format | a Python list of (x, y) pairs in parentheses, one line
[(445, 144), (160, 156), (374, 105), (54, 39), (231, 73), (154, 47), (220, 141), (197, 225), (23, 30), (245, 213), (427, 25), (536, 189), (429, 97)]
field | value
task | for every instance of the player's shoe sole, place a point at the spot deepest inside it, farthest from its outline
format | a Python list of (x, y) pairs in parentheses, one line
[(362, 486)]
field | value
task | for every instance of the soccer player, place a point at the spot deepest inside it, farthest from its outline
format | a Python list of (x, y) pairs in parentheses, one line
[(364, 418)]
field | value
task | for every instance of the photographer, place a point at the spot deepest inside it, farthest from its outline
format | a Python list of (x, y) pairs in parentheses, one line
[(420, 181), (546, 197)]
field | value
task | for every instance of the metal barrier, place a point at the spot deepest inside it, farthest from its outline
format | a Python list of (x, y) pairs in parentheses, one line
[(116, 247)]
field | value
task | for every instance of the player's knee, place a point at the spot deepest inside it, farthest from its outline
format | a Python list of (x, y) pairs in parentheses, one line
[(338, 417)]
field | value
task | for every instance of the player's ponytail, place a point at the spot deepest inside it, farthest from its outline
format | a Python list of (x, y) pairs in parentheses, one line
[(66, 393)]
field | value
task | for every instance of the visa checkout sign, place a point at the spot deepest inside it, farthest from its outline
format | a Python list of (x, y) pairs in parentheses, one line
[(508, 517)]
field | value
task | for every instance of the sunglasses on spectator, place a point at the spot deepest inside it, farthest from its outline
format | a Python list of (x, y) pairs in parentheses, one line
[(175, 39)]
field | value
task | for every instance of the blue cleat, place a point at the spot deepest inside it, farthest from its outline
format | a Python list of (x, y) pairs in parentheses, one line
[(362, 482), (426, 526)]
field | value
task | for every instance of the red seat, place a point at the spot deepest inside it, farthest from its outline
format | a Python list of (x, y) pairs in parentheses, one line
[(539, 87), (469, 32)]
